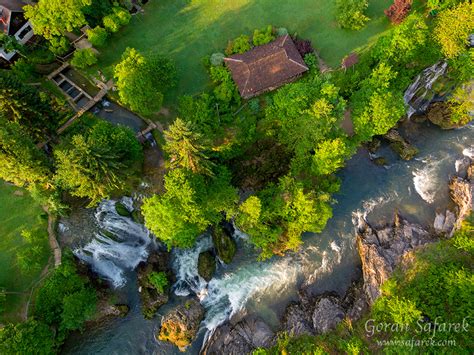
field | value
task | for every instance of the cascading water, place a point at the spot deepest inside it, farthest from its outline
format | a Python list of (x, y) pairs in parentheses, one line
[(119, 245), (419, 94)]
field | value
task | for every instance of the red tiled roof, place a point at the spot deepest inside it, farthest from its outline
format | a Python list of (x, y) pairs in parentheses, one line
[(266, 67)]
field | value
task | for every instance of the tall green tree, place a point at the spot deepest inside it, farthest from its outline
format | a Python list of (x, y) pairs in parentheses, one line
[(23, 104), (190, 205), (53, 18), (184, 146), (277, 216), (97, 163), (377, 106), (21, 162), (142, 81), (30, 337), (350, 13), (453, 27)]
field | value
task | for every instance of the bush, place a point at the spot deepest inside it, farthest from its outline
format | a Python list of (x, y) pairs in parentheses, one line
[(119, 17), (239, 45), (350, 13), (122, 15), (281, 31), (263, 36), (217, 59), (398, 11), (84, 58), (97, 36), (303, 46), (159, 281)]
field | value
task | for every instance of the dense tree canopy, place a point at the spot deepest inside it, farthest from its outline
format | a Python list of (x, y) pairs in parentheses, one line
[(453, 28), (377, 107), (276, 217), (98, 162), (30, 337), (142, 81), (350, 13), (190, 205), (53, 18), (23, 104), (21, 162)]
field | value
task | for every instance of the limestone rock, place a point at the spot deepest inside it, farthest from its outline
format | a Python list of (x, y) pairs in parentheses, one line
[(223, 242), (327, 314), (206, 265), (400, 145), (439, 114), (181, 325), (296, 320), (239, 339), (151, 298)]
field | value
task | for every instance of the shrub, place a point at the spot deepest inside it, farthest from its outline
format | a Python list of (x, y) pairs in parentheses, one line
[(303, 46), (217, 59), (263, 36), (159, 281), (122, 15), (281, 31), (239, 45), (398, 11), (84, 58), (97, 36), (111, 23), (350, 13)]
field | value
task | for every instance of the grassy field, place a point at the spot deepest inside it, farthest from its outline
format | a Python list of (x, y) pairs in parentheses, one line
[(17, 212), (188, 30)]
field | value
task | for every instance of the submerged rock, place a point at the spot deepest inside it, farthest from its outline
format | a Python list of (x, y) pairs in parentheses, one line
[(181, 325), (151, 298), (122, 210), (400, 145), (241, 338), (206, 265), (327, 314), (224, 244)]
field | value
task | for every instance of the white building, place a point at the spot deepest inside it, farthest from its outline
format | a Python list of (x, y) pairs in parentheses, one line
[(13, 23)]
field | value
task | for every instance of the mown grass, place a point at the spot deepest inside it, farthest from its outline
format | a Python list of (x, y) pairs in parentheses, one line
[(189, 30), (18, 212)]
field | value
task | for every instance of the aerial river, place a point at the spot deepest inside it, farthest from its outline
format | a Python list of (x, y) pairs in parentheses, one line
[(115, 245)]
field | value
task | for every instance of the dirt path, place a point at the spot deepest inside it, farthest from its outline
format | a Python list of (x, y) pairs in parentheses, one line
[(53, 242), (323, 67)]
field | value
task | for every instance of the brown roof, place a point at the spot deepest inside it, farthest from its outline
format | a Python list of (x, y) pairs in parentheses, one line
[(266, 67)]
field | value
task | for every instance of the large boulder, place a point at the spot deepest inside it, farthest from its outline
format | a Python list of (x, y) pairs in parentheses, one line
[(400, 145), (206, 265), (381, 249), (439, 113), (239, 339), (181, 325), (223, 242), (297, 320), (327, 314)]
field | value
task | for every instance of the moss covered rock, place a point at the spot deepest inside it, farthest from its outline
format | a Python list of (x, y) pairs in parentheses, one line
[(181, 325), (224, 244), (400, 145), (152, 299), (122, 210), (439, 114), (206, 265)]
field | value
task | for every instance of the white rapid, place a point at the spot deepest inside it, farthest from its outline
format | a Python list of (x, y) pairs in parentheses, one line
[(119, 245), (419, 94)]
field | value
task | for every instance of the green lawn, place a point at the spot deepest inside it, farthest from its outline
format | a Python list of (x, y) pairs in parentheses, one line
[(16, 214), (188, 30)]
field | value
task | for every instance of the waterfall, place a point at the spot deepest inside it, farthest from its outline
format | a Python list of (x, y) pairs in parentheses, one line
[(419, 94), (185, 266), (120, 244)]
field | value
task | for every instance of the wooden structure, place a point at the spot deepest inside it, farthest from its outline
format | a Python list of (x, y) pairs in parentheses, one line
[(267, 67)]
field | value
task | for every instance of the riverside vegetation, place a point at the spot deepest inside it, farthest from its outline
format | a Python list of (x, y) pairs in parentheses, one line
[(269, 164)]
